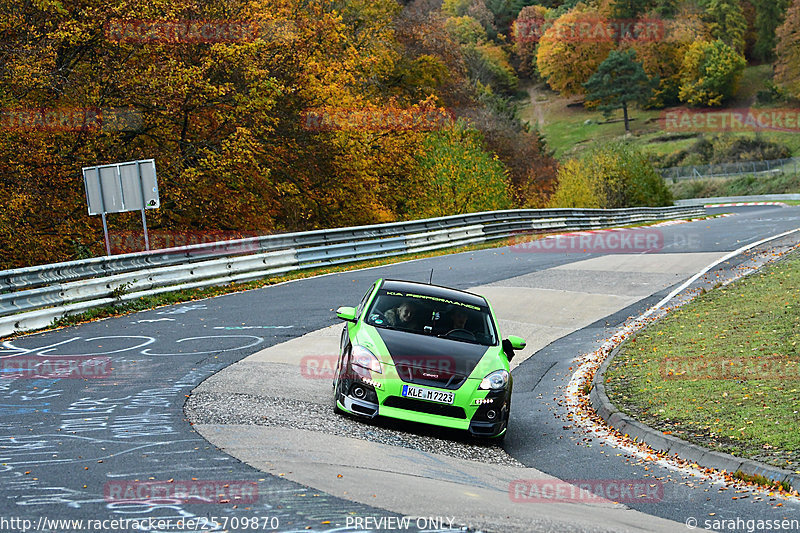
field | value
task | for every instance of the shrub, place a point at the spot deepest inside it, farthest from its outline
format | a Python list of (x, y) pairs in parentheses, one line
[(710, 73), (609, 176), (726, 149)]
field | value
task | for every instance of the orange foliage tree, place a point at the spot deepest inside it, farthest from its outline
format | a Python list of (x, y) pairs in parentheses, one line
[(572, 48), (787, 65)]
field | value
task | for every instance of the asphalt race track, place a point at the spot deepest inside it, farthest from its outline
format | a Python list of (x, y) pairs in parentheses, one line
[(79, 448)]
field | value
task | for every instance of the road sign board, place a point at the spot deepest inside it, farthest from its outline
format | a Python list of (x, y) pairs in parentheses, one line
[(129, 186)]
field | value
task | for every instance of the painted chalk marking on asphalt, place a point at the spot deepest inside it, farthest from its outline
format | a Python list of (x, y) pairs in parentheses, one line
[(256, 342), (11, 350), (252, 327), (183, 309)]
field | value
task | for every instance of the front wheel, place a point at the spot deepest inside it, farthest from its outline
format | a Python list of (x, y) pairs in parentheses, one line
[(337, 381), (336, 408)]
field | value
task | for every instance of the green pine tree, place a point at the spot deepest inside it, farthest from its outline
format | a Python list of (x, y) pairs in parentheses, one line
[(630, 9), (769, 15), (619, 80), (726, 22)]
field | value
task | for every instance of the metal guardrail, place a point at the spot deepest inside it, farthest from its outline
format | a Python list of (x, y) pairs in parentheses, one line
[(739, 168), (760, 198), (33, 297)]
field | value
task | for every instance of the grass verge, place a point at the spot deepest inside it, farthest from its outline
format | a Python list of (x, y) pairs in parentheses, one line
[(724, 370), (739, 186)]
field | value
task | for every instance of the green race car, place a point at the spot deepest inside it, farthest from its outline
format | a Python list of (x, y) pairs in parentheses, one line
[(427, 354)]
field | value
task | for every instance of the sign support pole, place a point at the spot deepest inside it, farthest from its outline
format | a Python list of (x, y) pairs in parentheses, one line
[(146, 238), (144, 218), (105, 233)]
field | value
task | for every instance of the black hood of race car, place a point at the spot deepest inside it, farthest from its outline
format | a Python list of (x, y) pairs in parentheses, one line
[(430, 360)]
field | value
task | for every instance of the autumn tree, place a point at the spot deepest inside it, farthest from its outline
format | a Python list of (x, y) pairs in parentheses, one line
[(619, 80), (630, 9), (305, 122), (787, 65), (726, 22), (662, 58), (458, 176), (568, 55), (420, 29), (487, 62), (710, 73), (224, 120)]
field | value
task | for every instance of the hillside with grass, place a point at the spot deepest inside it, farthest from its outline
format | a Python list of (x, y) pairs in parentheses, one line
[(710, 63)]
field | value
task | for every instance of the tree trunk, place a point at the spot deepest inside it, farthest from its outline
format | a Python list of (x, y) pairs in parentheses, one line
[(625, 114)]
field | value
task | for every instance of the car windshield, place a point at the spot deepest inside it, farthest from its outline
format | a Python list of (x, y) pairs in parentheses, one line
[(431, 315)]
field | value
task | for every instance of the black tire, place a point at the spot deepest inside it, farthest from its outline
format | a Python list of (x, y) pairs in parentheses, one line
[(336, 385)]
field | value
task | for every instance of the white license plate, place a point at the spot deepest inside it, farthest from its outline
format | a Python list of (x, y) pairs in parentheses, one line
[(431, 395)]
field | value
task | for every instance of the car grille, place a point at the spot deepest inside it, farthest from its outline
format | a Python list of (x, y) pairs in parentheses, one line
[(422, 406), (420, 375)]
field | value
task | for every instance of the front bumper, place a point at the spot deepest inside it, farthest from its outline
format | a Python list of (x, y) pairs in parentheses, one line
[(486, 417)]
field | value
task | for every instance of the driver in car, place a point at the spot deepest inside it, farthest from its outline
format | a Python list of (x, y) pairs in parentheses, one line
[(458, 318)]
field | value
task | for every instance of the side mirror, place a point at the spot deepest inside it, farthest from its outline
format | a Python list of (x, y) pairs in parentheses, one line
[(346, 313), (510, 344), (518, 343)]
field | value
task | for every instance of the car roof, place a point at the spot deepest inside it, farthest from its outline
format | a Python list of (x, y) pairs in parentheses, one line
[(433, 290)]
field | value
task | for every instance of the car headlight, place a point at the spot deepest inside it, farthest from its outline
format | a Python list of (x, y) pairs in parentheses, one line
[(495, 381), (366, 359)]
